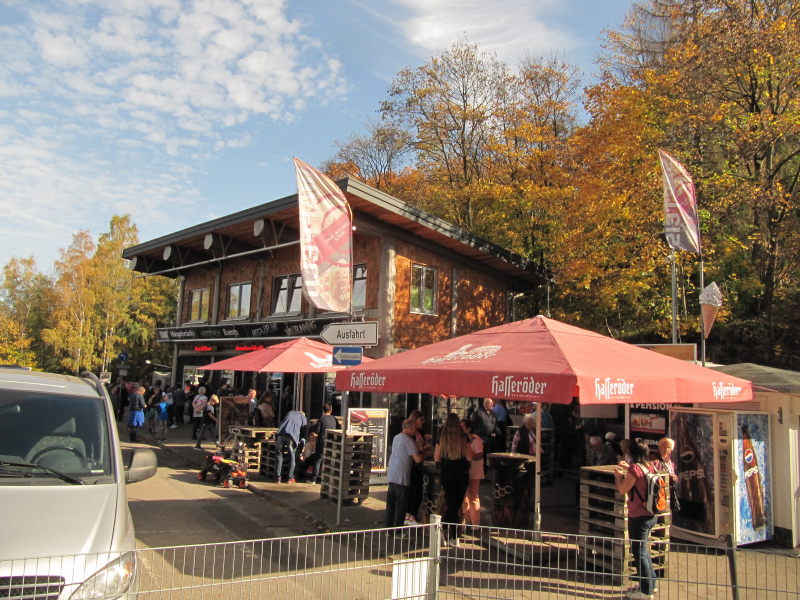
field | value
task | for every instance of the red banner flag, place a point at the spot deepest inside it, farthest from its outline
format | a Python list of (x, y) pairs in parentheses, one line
[(326, 233), (681, 226)]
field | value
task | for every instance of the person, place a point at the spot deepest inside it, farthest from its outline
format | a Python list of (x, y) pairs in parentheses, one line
[(502, 421), (290, 434), (665, 447), (398, 472), (524, 440), (198, 407), (472, 500), (153, 398), (209, 421), (625, 451), (225, 389), (162, 417), (325, 422), (453, 455), (424, 447), (265, 411), (630, 479), (136, 415), (485, 426), (611, 442), (252, 405), (178, 406), (600, 453)]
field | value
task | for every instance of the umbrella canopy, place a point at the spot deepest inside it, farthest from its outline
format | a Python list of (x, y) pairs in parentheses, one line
[(295, 356), (544, 360)]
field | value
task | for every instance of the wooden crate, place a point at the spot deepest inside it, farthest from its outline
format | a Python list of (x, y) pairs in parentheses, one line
[(253, 434), (352, 467), (604, 519), (268, 462)]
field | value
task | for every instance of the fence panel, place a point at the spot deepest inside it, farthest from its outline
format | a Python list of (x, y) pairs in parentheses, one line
[(413, 563)]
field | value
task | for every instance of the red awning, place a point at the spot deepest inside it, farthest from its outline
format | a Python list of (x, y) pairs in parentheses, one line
[(544, 360), (296, 356)]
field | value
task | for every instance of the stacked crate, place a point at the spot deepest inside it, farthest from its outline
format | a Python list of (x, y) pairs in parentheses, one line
[(246, 444), (604, 515), (269, 453), (352, 467)]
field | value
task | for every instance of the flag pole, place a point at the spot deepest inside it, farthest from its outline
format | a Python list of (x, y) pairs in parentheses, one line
[(702, 319), (674, 297)]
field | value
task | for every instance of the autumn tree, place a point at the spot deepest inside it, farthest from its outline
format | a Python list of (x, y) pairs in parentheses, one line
[(26, 298), (449, 106), (73, 333), (15, 345)]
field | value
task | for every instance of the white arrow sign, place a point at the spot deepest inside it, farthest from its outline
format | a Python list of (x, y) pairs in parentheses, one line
[(351, 334)]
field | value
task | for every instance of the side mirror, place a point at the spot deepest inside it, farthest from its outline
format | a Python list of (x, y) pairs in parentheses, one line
[(141, 465)]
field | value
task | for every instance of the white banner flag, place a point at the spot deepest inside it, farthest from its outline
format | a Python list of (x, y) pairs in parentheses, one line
[(326, 233), (681, 225)]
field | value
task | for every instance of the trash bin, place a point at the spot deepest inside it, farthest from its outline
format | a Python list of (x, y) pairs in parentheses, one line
[(513, 476)]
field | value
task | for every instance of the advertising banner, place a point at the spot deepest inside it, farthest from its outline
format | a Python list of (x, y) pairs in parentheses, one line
[(376, 422), (648, 421), (694, 466), (326, 234), (752, 467), (681, 225)]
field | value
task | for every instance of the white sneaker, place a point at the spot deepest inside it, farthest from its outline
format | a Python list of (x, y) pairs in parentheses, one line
[(638, 595), (173, 426), (410, 521)]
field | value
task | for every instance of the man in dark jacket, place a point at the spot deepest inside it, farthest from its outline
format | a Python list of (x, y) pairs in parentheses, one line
[(325, 422), (484, 425)]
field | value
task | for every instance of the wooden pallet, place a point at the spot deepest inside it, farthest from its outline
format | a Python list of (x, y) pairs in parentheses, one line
[(352, 467), (256, 434), (604, 514)]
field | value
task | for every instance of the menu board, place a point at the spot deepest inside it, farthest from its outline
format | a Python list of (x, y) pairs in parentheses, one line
[(376, 422), (648, 422)]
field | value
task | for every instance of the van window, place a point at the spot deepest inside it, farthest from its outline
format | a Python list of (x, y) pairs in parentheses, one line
[(66, 433)]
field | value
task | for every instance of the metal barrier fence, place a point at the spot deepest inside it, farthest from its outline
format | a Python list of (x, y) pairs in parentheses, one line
[(408, 562)]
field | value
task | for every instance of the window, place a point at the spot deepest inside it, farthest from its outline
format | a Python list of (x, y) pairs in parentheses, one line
[(199, 304), (359, 286), (423, 290), (239, 300), (287, 294)]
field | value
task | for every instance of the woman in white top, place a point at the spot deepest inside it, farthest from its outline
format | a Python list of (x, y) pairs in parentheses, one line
[(472, 501)]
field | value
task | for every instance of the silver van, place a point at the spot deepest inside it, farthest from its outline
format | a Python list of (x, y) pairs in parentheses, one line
[(65, 528)]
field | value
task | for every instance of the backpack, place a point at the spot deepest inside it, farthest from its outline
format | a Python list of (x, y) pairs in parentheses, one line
[(655, 501)]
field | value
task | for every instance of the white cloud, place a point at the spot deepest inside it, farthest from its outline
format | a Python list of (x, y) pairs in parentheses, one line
[(105, 102), (510, 28)]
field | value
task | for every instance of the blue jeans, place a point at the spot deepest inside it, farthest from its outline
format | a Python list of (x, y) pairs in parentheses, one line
[(639, 534), (283, 442), (396, 501)]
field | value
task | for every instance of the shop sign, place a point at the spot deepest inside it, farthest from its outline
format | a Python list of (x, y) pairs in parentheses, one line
[(243, 331)]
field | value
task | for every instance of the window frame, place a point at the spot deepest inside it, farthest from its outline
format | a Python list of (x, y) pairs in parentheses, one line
[(360, 279), (293, 290), (204, 300), (420, 309), (240, 285)]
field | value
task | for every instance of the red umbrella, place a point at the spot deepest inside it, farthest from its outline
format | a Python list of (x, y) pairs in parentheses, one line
[(301, 355), (544, 360)]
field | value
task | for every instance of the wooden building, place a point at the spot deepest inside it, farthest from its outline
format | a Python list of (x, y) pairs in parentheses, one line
[(421, 278)]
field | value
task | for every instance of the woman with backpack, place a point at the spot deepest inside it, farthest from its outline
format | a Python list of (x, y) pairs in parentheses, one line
[(632, 480)]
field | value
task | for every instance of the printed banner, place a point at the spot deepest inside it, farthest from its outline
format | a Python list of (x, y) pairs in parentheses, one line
[(753, 485), (376, 422), (326, 232), (681, 225)]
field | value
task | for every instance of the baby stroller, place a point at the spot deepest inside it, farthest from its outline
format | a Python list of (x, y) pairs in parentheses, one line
[(224, 471)]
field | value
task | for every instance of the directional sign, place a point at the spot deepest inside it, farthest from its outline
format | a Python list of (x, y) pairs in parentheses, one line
[(353, 334), (123, 356), (347, 355)]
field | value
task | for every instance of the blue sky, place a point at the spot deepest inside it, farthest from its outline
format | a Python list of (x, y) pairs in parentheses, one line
[(180, 111)]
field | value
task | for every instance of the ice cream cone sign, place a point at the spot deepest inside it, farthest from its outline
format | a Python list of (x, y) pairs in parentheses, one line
[(710, 302)]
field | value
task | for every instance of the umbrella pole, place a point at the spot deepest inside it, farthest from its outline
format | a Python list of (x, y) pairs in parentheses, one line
[(537, 486)]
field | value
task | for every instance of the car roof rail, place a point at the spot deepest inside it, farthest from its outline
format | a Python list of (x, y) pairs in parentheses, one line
[(96, 380)]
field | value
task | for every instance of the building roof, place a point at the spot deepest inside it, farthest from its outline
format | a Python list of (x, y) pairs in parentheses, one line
[(365, 202), (779, 380)]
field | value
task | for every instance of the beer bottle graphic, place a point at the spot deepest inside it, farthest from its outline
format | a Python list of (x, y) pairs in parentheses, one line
[(752, 481)]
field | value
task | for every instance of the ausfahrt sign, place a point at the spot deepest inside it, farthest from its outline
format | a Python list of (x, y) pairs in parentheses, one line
[(351, 334)]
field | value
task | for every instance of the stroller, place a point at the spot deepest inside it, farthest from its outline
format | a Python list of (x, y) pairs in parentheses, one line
[(224, 471)]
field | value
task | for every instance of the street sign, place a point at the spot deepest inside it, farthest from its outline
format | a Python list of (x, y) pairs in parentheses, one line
[(347, 355), (354, 334), (123, 356)]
